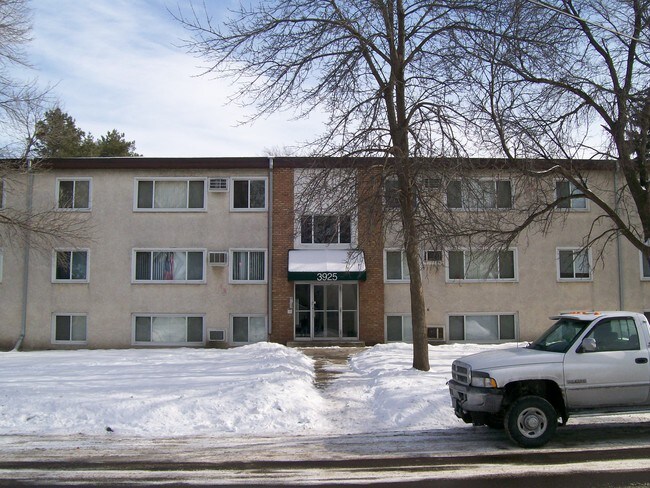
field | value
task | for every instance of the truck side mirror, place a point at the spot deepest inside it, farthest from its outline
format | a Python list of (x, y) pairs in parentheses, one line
[(588, 345)]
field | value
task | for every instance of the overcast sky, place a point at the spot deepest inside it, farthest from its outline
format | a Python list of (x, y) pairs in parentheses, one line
[(117, 64)]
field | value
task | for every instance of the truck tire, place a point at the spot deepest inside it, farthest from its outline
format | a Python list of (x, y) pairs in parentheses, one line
[(531, 421)]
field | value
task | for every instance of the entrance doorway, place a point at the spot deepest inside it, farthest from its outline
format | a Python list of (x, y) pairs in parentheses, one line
[(326, 311)]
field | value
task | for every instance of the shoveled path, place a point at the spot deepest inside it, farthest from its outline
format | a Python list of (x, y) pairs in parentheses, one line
[(329, 362)]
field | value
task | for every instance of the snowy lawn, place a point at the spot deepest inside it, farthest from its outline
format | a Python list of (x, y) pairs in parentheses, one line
[(259, 389)]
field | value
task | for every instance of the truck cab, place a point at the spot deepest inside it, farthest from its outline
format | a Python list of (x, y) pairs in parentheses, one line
[(586, 363)]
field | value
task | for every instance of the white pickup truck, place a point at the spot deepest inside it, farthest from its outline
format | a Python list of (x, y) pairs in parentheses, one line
[(586, 363)]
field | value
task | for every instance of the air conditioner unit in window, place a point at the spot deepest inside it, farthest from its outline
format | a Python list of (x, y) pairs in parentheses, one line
[(218, 184), (435, 333), (218, 258), (432, 183), (432, 257), (216, 335)]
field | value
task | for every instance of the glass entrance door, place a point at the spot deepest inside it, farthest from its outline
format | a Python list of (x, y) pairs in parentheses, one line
[(326, 311)]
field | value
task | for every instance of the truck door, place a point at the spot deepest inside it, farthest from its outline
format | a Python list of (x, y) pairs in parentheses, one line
[(616, 373)]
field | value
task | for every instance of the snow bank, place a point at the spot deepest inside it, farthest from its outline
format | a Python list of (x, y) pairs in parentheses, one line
[(261, 389), (163, 392)]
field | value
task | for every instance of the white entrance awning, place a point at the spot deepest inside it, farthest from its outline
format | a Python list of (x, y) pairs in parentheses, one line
[(326, 265)]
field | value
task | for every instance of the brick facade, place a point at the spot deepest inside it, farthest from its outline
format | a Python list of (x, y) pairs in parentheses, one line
[(282, 288), (371, 291)]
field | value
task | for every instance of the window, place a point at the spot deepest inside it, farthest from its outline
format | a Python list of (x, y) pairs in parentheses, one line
[(325, 229), (69, 328), (168, 329), (70, 266), (247, 329), (566, 189), (391, 193), (482, 265), (482, 328), (248, 266), (645, 267), (248, 194), (169, 266), (615, 335), (396, 268), (170, 194), (479, 194), (399, 328), (73, 194), (574, 264)]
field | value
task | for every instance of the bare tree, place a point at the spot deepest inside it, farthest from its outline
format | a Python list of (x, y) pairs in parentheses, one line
[(562, 80), (22, 104), (378, 68)]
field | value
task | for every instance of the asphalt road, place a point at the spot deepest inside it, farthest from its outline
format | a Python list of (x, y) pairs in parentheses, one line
[(611, 454)]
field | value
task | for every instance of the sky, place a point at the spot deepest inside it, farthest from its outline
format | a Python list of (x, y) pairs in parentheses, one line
[(120, 64)]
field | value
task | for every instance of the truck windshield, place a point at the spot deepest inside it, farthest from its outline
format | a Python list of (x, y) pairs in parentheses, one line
[(560, 337)]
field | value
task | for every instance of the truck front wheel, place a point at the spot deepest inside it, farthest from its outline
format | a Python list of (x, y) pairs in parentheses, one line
[(531, 421)]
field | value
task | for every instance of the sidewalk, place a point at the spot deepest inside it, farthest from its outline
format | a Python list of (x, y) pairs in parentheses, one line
[(329, 362)]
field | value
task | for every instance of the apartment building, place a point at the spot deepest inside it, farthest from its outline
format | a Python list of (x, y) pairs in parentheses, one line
[(210, 252)]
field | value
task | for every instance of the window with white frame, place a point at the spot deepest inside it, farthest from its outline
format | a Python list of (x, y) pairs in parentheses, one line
[(70, 266), (399, 328), (573, 264), (325, 229), (247, 329), (566, 189), (248, 266), (479, 194), (482, 265), (69, 328), (395, 266), (168, 329), (170, 194), (73, 193), (248, 194), (168, 266), (482, 328), (645, 267)]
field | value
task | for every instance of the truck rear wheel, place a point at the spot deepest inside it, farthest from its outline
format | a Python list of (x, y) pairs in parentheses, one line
[(531, 421)]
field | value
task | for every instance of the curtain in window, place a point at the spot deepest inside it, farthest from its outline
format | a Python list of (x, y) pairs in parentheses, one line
[(248, 266), (240, 265), (482, 328), (257, 193), (257, 329), (169, 329), (163, 266), (170, 194), (481, 265), (256, 266), (81, 194)]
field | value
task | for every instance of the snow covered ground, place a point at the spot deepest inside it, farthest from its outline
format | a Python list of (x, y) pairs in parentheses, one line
[(261, 389)]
